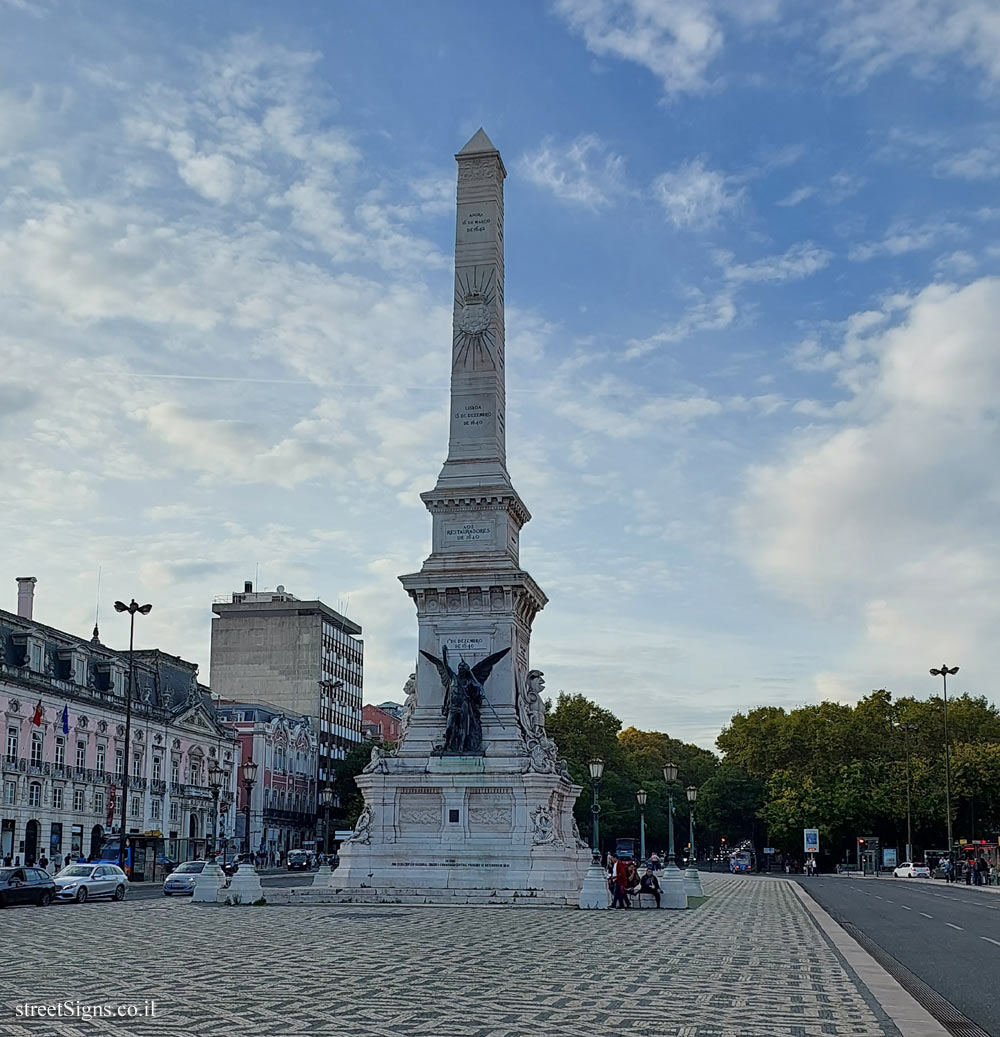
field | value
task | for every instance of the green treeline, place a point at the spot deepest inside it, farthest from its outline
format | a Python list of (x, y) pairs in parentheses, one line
[(838, 768)]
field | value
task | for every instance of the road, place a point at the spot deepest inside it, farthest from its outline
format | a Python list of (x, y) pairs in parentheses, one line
[(145, 891), (948, 936)]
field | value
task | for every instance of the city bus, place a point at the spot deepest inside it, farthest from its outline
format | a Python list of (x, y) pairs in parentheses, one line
[(742, 861), (145, 860)]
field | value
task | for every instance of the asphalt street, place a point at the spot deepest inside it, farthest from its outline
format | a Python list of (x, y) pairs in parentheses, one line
[(947, 935)]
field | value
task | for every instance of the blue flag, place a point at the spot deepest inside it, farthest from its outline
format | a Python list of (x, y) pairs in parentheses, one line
[(65, 719)]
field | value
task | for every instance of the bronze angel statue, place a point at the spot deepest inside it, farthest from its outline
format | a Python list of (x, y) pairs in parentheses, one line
[(463, 700)]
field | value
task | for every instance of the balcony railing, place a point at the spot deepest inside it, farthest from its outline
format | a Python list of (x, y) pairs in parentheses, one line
[(157, 787), (137, 783)]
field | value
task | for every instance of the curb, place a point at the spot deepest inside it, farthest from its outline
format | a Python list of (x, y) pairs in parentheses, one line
[(908, 1015)]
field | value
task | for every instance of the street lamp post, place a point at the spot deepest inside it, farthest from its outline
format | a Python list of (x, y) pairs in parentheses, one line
[(640, 798), (670, 776), (594, 894), (249, 769), (692, 880), (944, 672), (907, 730), (673, 885), (596, 768), (215, 776), (326, 801), (131, 608)]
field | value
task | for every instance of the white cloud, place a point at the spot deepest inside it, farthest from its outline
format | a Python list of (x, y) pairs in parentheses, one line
[(675, 39), (797, 197), (905, 237), (981, 162), (865, 39), (694, 196), (891, 516), (584, 172), (706, 313), (799, 261)]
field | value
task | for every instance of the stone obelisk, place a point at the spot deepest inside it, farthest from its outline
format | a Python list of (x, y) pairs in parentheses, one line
[(492, 820)]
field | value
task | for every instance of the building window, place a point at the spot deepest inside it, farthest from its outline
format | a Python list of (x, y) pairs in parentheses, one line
[(9, 791), (175, 771), (11, 743), (34, 794), (136, 765), (81, 755), (55, 839), (57, 798), (154, 810), (60, 751), (175, 813), (102, 756), (78, 799), (157, 768), (36, 657), (119, 762), (136, 810), (99, 802), (36, 749)]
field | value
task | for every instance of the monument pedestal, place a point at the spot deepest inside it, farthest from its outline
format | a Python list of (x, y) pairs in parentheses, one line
[(595, 894), (244, 886), (461, 828)]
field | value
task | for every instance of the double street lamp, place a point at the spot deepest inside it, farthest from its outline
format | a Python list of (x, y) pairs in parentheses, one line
[(944, 673), (596, 768), (144, 610), (249, 769)]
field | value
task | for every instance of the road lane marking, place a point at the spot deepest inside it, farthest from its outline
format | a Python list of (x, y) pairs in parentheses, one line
[(990, 940), (905, 908), (952, 924), (876, 896), (924, 913)]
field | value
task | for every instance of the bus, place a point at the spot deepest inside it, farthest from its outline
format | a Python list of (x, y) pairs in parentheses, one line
[(625, 849), (145, 860), (742, 861)]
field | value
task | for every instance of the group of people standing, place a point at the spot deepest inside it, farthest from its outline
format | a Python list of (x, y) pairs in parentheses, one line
[(978, 872), (625, 882)]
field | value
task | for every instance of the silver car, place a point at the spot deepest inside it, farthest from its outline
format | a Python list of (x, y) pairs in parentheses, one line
[(80, 882), (183, 877)]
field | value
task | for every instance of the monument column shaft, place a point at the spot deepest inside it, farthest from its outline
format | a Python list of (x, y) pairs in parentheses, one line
[(477, 377)]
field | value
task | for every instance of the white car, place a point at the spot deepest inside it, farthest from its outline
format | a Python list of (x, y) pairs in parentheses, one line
[(909, 870), (79, 882)]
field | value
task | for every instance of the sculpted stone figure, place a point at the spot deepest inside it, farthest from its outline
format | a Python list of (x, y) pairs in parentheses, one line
[(463, 700), (536, 704), (409, 704)]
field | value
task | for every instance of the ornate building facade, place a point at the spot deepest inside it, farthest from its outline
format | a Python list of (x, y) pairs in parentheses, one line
[(283, 799), (64, 757)]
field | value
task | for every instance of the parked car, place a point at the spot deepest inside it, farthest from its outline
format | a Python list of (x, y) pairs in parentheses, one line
[(299, 860), (80, 882), (26, 886), (909, 870), (182, 879)]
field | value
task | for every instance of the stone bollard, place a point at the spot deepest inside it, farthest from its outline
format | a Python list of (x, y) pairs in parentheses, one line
[(692, 882), (595, 896), (207, 884), (673, 891), (244, 887)]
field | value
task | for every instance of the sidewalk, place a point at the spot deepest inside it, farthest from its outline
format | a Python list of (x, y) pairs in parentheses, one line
[(757, 959)]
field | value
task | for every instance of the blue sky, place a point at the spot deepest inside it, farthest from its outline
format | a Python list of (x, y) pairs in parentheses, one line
[(752, 302)]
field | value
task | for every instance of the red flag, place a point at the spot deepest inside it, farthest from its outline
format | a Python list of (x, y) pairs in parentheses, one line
[(37, 718)]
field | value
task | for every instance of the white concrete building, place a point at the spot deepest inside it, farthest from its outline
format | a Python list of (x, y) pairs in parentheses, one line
[(301, 657)]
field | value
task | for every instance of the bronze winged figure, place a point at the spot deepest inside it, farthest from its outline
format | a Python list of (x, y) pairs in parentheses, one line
[(463, 700)]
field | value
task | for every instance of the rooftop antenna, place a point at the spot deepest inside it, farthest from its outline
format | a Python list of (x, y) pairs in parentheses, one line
[(256, 576), (96, 636)]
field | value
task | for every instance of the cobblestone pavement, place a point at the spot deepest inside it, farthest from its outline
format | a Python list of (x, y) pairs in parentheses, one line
[(750, 961)]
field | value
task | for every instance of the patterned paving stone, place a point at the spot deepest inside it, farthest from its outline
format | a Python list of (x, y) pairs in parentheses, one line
[(749, 963)]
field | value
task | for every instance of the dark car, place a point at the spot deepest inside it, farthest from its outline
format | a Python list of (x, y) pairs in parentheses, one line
[(26, 886), (298, 860)]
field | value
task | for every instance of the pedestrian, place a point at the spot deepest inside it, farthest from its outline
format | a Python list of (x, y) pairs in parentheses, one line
[(982, 871), (6, 861), (44, 863), (17, 861), (650, 884), (967, 872), (69, 860), (618, 889)]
